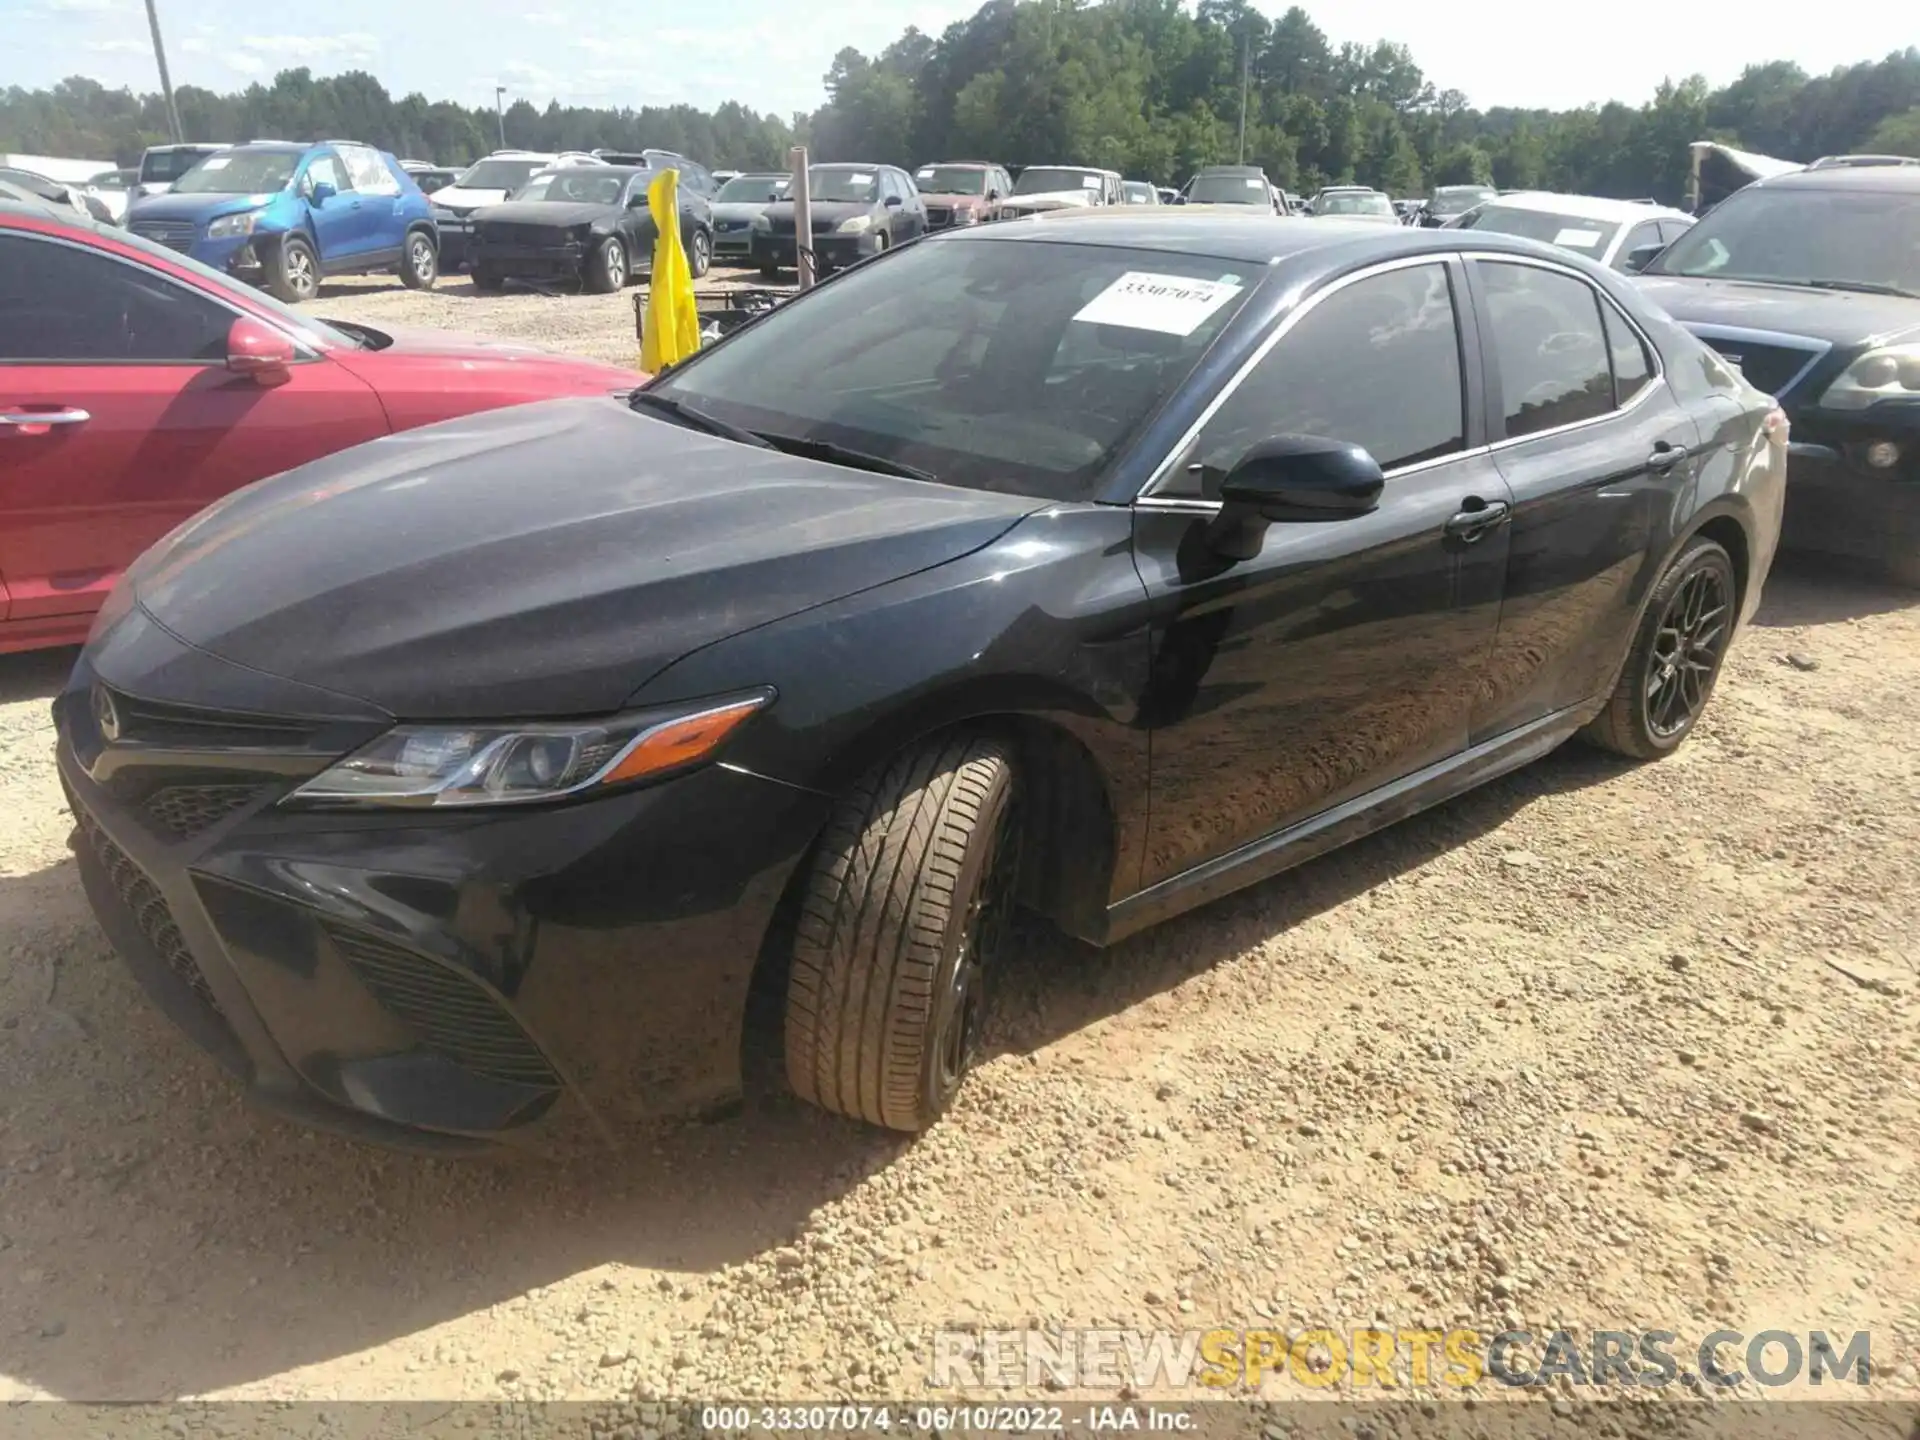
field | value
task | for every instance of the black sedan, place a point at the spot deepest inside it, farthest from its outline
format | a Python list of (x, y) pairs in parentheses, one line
[(588, 224), (858, 211), (478, 775)]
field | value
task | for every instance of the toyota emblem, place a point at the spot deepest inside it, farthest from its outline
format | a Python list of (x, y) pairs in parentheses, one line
[(106, 715)]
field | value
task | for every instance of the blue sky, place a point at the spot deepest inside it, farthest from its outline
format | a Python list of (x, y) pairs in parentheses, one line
[(1514, 52)]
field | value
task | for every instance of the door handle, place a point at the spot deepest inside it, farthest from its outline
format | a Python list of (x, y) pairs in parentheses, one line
[(1665, 455), (37, 422), (1476, 517)]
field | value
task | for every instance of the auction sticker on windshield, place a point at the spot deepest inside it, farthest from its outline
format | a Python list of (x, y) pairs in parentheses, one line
[(1171, 304), (1578, 239)]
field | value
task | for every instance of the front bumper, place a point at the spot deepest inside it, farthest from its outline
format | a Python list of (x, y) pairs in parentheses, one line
[(541, 262), (833, 252), (438, 981), (737, 243), (456, 242), (1838, 504)]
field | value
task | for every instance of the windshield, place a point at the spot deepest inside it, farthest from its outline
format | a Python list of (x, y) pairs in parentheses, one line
[(753, 189), (1349, 203), (1228, 190), (859, 187), (1022, 367), (1140, 193), (161, 167), (584, 186), (239, 172), (499, 174), (950, 180), (1570, 232), (1797, 236), (1044, 179), (1457, 199)]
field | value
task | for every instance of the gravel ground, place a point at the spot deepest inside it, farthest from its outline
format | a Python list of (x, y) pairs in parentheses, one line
[(1600, 1045)]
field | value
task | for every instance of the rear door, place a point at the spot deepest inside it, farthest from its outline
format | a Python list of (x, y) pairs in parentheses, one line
[(143, 423), (1343, 655), (1594, 447), (378, 222)]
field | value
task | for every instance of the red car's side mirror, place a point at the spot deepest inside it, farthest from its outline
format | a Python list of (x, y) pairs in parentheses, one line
[(259, 351)]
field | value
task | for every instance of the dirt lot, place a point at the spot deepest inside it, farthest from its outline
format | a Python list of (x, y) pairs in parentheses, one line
[(1599, 1045)]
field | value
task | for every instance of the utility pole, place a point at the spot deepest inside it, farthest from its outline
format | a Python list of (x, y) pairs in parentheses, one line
[(499, 108), (166, 80), (1246, 69)]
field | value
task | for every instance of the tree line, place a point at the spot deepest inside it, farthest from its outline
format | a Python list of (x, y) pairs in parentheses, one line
[(1146, 87)]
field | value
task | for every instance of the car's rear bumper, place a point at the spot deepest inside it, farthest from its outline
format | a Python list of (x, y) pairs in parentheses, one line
[(443, 981), (1839, 504)]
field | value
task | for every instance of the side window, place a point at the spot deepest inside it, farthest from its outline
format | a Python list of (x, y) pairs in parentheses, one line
[(1549, 345), (1647, 232), (325, 169), (1376, 364), (62, 303), (1632, 367), (367, 170)]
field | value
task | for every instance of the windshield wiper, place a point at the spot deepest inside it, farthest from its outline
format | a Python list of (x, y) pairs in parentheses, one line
[(1866, 287), (843, 455), (697, 419)]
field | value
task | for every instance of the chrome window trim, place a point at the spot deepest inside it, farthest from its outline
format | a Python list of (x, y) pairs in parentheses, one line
[(1815, 350), (303, 352), (1306, 307)]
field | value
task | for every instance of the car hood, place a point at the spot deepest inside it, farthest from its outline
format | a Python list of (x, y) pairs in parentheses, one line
[(1843, 318), (1048, 200), (172, 206), (739, 209), (557, 214), (966, 201), (453, 197), (472, 360), (541, 560), (825, 212)]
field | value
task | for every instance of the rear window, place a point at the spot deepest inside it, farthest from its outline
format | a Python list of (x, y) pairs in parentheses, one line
[(1570, 232), (1228, 190), (163, 167), (500, 174)]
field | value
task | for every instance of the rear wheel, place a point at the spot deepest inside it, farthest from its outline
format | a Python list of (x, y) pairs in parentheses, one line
[(485, 280), (1676, 657), (607, 266), (420, 264), (293, 274), (700, 253), (769, 272), (902, 916)]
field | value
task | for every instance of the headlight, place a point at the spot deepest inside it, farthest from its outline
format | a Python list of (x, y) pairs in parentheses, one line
[(449, 765), (228, 225), (858, 225), (1892, 372), (966, 215), (762, 224)]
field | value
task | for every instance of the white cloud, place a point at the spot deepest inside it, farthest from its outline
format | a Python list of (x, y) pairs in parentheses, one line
[(355, 45), (88, 7)]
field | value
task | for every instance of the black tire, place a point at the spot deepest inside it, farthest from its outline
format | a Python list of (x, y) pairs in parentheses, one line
[(699, 252), (1675, 659), (293, 272), (607, 266), (769, 272), (903, 908), (419, 261), (488, 282)]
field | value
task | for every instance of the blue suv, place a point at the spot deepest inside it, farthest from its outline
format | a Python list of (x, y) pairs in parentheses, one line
[(283, 215)]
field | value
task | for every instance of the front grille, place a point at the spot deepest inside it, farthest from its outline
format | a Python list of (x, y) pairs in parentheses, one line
[(175, 234), (939, 215), (450, 1012), (186, 727), (540, 237), (149, 908), (185, 810), (1769, 367)]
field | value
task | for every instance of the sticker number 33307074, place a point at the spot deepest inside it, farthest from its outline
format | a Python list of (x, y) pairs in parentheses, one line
[(1171, 304)]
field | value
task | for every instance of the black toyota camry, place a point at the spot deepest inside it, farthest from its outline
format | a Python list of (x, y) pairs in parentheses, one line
[(475, 777)]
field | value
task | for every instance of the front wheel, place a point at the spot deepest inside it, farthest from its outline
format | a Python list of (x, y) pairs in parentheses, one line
[(607, 266), (420, 266), (1675, 659), (487, 282), (293, 274), (902, 914)]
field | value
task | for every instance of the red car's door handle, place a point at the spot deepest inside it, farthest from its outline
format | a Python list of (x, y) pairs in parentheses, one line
[(38, 422)]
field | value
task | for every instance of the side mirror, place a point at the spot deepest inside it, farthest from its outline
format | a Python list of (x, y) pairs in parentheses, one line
[(1292, 478), (993, 194), (1641, 256), (320, 192), (259, 352), (892, 202)]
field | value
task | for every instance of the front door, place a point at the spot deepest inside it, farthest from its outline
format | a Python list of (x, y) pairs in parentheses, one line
[(143, 423), (1342, 656), (339, 221)]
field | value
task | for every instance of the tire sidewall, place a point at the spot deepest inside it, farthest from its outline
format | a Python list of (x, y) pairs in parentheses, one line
[(1702, 554), (700, 260), (413, 274), (609, 266), (286, 288)]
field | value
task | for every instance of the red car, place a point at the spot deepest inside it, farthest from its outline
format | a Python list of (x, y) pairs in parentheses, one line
[(137, 386)]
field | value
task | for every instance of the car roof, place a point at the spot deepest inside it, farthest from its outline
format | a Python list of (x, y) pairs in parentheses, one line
[(1882, 178), (1230, 170), (1586, 207), (1235, 232)]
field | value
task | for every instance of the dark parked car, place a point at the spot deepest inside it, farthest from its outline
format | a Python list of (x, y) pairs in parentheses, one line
[(58, 193), (481, 774), (1811, 282), (588, 223), (858, 211), (1233, 185), (735, 206), (962, 192), (1450, 202)]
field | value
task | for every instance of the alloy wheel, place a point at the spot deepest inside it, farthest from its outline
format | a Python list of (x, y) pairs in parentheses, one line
[(421, 257), (300, 277), (1687, 650)]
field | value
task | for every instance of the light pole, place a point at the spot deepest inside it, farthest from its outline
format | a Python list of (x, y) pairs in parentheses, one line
[(499, 109), (166, 81)]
